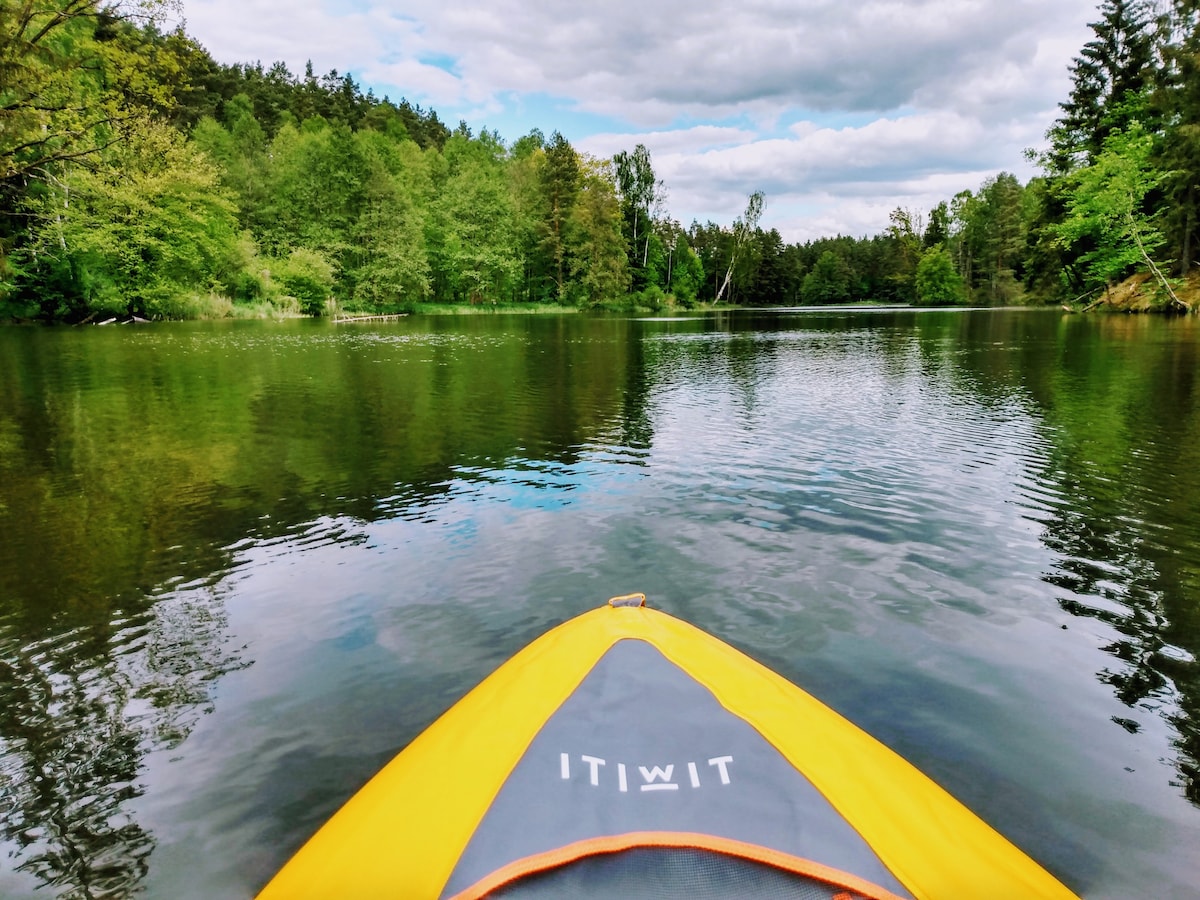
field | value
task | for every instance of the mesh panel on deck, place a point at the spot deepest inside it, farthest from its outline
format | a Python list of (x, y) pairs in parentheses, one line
[(658, 873)]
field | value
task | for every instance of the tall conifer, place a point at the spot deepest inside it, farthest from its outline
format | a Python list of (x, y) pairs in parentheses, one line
[(560, 184), (1110, 79), (1178, 100)]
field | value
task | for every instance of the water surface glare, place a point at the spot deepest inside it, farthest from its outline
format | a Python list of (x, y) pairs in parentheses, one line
[(245, 563)]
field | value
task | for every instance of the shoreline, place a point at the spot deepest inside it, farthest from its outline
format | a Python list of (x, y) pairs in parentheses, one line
[(1136, 294)]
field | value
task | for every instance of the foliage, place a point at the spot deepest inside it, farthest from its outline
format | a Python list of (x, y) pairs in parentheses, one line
[(989, 233), (1176, 99), (938, 229), (69, 83), (599, 269), (475, 250), (828, 282), (1106, 211), (906, 232), (148, 223), (283, 191), (74, 79), (652, 298), (743, 228), (937, 281), (639, 190), (392, 263), (687, 274), (560, 184), (307, 276), (1110, 79)]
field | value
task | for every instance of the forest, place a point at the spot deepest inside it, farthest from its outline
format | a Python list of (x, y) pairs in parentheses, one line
[(140, 177)]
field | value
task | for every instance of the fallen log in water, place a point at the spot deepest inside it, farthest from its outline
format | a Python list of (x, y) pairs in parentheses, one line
[(381, 318)]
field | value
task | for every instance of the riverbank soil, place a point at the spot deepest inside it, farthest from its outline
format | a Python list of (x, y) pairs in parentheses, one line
[(1143, 293)]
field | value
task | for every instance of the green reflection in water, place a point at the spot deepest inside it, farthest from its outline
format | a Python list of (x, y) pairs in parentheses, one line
[(134, 463), (136, 466), (132, 459), (1119, 494)]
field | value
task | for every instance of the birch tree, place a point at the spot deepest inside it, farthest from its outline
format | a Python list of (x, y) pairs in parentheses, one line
[(744, 228), (640, 192)]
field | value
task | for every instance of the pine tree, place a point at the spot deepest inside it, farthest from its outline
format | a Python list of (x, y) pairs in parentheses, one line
[(1111, 77), (1004, 237), (560, 182), (1178, 100)]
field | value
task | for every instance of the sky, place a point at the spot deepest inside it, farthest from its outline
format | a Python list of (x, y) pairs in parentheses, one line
[(838, 110)]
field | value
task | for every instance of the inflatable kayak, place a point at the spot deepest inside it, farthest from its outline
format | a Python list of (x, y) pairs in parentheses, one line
[(628, 754)]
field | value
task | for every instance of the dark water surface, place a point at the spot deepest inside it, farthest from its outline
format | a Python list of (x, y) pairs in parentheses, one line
[(243, 564)]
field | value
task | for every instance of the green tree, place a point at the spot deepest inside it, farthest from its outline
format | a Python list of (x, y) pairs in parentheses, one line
[(526, 160), (240, 151), (988, 238), (791, 266), (391, 264), (765, 285), (1046, 271), (316, 181), (137, 232), (57, 102), (828, 282), (560, 183), (1110, 78), (71, 85), (711, 243), (639, 190), (1107, 212), (937, 282), (687, 273), (905, 230), (743, 229), (1002, 243), (307, 276), (599, 266), (966, 234), (938, 229), (1177, 99), (474, 250)]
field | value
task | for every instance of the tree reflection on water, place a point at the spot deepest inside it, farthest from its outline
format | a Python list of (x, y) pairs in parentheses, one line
[(1118, 495), (130, 463), (108, 500), (79, 709)]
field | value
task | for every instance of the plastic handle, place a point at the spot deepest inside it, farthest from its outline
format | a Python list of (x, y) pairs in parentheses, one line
[(628, 600)]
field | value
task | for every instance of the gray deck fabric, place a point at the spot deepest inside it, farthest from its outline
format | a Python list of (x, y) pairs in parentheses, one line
[(686, 764)]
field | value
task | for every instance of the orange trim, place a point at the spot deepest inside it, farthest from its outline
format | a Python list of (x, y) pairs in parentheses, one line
[(552, 859)]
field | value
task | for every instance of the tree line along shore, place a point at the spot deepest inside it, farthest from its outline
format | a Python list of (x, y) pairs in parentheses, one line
[(139, 177)]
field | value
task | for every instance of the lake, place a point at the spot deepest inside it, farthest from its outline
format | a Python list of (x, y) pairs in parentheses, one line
[(244, 563)]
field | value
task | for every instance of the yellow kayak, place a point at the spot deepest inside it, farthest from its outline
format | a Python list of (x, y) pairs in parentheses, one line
[(626, 753)]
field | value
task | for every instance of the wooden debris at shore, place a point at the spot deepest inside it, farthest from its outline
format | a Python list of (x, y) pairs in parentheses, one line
[(381, 318)]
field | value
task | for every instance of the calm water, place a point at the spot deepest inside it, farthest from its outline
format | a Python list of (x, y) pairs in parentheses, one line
[(241, 565)]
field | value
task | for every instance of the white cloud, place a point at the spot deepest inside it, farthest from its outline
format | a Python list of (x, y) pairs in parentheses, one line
[(957, 88), (254, 30), (652, 62), (425, 80), (848, 179), (682, 141)]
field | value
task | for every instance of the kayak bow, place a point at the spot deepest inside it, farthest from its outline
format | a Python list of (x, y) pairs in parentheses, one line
[(628, 753)]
